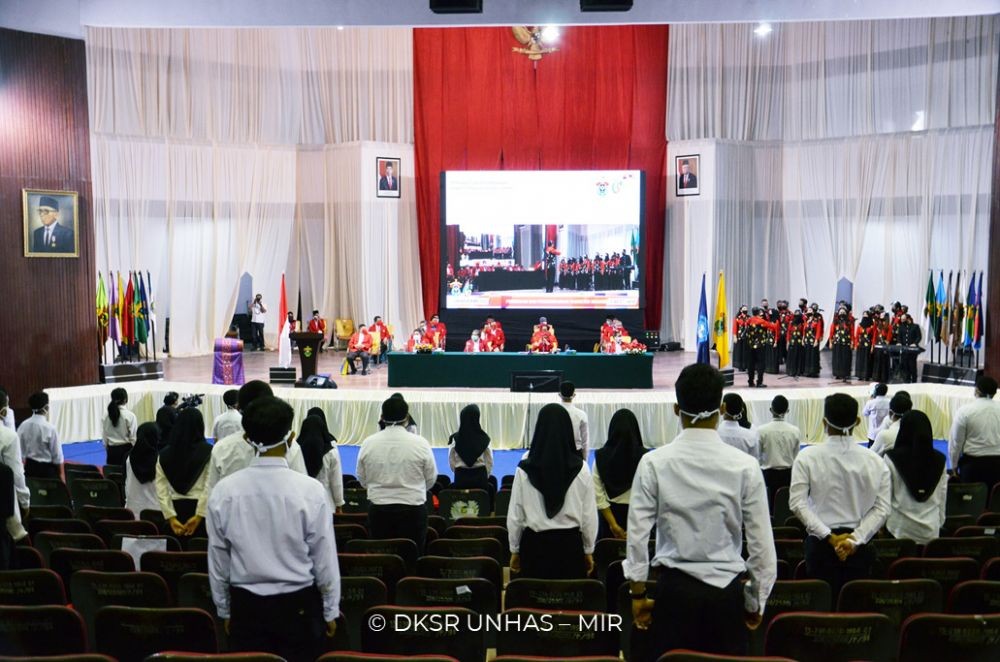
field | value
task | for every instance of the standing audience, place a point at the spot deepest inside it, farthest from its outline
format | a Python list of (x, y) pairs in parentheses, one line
[(919, 481), (779, 446), (974, 445), (322, 459), (40, 447), (735, 429), (899, 406), (581, 436), (470, 457), (10, 457), (614, 471), (182, 472), (119, 428), (876, 410), (140, 470), (230, 421)]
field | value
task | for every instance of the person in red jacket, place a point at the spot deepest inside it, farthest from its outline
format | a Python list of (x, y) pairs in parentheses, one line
[(318, 325), (493, 335), (475, 344), (384, 335), (437, 331), (359, 346)]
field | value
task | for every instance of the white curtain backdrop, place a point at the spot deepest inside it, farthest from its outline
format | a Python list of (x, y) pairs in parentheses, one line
[(856, 150), (213, 151)]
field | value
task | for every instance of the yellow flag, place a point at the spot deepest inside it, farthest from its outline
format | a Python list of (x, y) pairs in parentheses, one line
[(721, 325)]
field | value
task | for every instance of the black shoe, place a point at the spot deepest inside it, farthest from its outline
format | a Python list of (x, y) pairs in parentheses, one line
[(364, 372), (761, 385)]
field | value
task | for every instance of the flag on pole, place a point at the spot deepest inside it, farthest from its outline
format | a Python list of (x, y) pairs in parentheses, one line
[(141, 312), (282, 307), (150, 305), (113, 320), (980, 315), (721, 326), (970, 312), (703, 326), (957, 312), (128, 320), (946, 313), (940, 301), (930, 308), (102, 309)]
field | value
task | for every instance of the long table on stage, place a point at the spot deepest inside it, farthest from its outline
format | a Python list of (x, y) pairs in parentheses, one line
[(492, 369)]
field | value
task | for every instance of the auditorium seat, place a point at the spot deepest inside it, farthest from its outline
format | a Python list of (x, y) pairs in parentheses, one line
[(556, 594), (82, 657), (31, 588), (937, 637), (38, 525), (606, 552), (174, 656), (947, 572), (966, 499), (156, 517), (536, 658), (502, 504), (799, 595), (497, 532), (784, 570), (355, 500), (360, 519), (35, 631), (455, 504), (107, 529), (195, 592), (195, 544), (888, 550), (174, 565), (829, 637), (118, 540), (569, 636), (51, 512), (780, 510), (48, 492), (898, 599), (344, 533), (461, 547), (477, 594), (442, 567), (977, 531), (94, 514), (788, 533), (357, 596), (981, 548), (694, 656), (388, 568), (65, 562), (792, 551), (988, 519), (28, 558), (613, 581), (953, 523), (95, 492), (87, 468), (462, 643), (438, 523), (974, 597), (991, 570), (404, 548), (46, 542), (130, 633), (91, 590), (506, 482), (345, 656), (486, 520)]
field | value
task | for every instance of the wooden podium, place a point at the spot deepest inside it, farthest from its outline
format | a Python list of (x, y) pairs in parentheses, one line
[(308, 350)]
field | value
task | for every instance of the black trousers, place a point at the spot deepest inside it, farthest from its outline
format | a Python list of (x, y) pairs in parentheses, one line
[(352, 356), (979, 469), (755, 365), (775, 479), (35, 469), (289, 625), (822, 562), (692, 614), (620, 511), (116, 455), (396, 520), (552, 554), (257, 334), (550, 278)]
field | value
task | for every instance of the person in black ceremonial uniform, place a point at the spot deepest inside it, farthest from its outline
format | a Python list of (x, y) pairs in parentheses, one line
[(795, 361), (908, 337), (841, 338), (863, 340), (759, 336), (739, 338)]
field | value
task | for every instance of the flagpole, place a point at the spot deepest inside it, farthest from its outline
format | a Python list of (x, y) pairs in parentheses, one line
[(149, 297)]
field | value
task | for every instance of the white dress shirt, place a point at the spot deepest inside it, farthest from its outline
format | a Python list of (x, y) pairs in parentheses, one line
[(779, 444), (915, 520), (257, 311), (484, 460), (233, 453), (876, 409), (975, 430), (10, 454), (840, 485), (396, 467), (701, 494), (122, 434), (272, 540), (166, 493), (227, 423), (8, 420), (740, 438), (886, 439), (601, 493), (581, 434), (140, 496), (331, 475), (527, 510), (39, 441)]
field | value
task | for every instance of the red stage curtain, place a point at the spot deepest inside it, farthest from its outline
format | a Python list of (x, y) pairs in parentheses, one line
[(597, 103)]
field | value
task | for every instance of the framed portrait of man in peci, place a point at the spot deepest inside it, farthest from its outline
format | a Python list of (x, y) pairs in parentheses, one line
[(687, 172), (387, 173), (51, 223)]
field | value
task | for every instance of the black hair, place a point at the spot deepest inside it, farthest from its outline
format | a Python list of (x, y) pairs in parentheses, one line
[(38, 401), (881, 389), (4, 399), (171, 398), (119, 396), (268, 419), (567, 389), (252, 390), (734, 405), (315, 312), (841, 410), (779, 405), (900, 405), (231, 397), (395, 411), (986, 385), (699, 388)]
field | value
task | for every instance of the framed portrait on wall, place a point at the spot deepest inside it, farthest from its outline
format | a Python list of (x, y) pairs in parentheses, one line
[(687, 172), (51, 223), (387, 175)]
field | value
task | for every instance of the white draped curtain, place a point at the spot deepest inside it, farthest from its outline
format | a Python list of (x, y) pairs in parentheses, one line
[(856, 150), (215, 154)]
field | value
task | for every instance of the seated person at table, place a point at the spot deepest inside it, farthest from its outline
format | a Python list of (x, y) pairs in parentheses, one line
[(437, 331), (543, 340), (359, 346), (618, 338), (416, 339), (475, 344), (607, 331), (493, 335), (318, 325)]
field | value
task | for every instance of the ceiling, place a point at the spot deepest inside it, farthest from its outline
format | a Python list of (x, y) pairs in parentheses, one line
[(67, 17)]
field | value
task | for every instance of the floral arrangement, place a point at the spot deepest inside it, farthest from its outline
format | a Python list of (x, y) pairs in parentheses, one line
[(634, 347), (423, 348)]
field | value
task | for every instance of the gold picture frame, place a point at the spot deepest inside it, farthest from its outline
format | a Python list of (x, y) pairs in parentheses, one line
[(58, 210)]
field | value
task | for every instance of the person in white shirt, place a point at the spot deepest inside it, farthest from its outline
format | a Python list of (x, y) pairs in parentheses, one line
[(140, 470), (876, 410), (10, 456), (731, 430), (552, 522), (779, 446), (7, 420), (230, 421), (614, 469), (469, 455), (919, 481), (181, 474), (701, 494), (974, 445), (841, 492), (257, 310), (272, 553), (40, 447), (233, 453), (119, 429), (397, 468), (899, 406), (567, 391), (319, 451)]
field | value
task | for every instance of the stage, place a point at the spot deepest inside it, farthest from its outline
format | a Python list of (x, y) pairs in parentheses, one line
[(353, 409)]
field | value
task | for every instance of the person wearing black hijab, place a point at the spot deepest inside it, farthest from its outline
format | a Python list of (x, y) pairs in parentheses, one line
[(319, 450), (470, 456), (552, 522), (140, 470), (614, 469), (919, 481), (182, 472)]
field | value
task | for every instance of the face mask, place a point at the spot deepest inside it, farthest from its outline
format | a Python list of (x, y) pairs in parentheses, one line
[(700, 416), (846, 432), (261, 448)]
